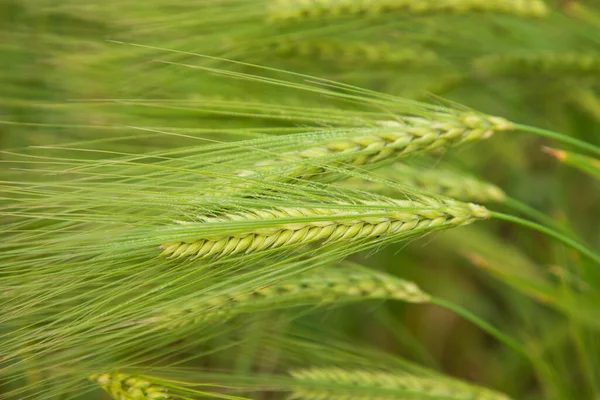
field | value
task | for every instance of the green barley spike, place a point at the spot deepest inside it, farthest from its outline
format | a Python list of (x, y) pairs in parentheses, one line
[(341, 384), (433, 180), (395, 139), (302, 226), (322, 287), (570, 64), (122, 386), (283, 10), (360, 52)]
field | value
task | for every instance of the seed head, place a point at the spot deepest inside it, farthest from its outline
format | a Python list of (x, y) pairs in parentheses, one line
[(395, 140), (322, 287), (127, 387), (327, 225), (355, 384)]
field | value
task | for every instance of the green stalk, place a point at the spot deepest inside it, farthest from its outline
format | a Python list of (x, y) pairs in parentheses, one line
[(538, 216), (493, 331), (577, 335), (405, 338), (559, 137), (541, 367), (550, 232)]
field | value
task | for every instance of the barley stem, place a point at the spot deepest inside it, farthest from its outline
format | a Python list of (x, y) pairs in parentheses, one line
[(550, 232), (588, 165), (560, 138), (538, 364), (405, 338), (539, 216), (480, 323)]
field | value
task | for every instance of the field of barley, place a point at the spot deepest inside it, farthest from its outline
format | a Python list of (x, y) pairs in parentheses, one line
[(300, 199)]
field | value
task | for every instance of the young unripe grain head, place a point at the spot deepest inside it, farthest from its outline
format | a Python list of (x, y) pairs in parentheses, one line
[(121, 386), (558, 64), (304, 9), (285, 227), (433, 180), (325, 286), (320, 383), (355, 52), (393, 139)]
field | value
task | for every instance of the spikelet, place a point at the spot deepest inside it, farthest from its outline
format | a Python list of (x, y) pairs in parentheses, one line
[(322, 287), (572, 64), (394, 140), (121, 386), (358, 52), (304, 9), (302, 226), (375, 385), (438, 181)]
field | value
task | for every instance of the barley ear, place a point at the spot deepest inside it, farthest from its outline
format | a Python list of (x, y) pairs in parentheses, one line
[(548, 64), (392, 140), (432, 180), (122, 386), (327, 286), (337, 383), (302, 9), (303, 226)]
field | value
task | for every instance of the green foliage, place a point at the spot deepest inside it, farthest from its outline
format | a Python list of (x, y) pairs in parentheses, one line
[(251, 199)]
